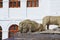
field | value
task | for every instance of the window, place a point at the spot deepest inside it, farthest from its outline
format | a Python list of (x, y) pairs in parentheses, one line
[(1, 3), (32, 3), (14, 3), (15, 27)]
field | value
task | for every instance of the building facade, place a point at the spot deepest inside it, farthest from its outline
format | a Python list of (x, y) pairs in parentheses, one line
[(14, 11)]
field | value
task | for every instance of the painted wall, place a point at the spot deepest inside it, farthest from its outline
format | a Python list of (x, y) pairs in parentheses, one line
[(9, 16), (55, 7), (25, 12), (39, 12)]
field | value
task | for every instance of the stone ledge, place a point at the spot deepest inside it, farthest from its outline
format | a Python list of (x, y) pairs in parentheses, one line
[(35, 36)]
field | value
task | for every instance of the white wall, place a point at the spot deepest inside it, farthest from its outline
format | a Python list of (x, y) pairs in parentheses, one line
[(39, 12), (9, 16), (55, 7), (18, 13), (4, 11)]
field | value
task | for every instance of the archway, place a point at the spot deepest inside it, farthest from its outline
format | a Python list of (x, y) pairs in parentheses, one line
[(0, 33), (13, 30)]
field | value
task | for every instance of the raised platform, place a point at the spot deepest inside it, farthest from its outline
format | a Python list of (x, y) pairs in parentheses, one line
[(35, 36)]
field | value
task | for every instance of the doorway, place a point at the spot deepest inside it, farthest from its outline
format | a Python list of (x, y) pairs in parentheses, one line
[(12, 30), (0, 33)]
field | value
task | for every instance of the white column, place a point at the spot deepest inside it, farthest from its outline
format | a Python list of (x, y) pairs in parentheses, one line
[(4, 34)]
